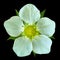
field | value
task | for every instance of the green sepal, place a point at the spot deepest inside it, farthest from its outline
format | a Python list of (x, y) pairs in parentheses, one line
[(34, 54), (11, 38), (43, 13), (17, 13), (52, 37)]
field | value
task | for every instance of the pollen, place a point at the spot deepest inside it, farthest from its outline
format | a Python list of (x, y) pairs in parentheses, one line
[(30, 31)]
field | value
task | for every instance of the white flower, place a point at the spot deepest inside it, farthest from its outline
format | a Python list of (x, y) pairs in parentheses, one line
[(35, 32)]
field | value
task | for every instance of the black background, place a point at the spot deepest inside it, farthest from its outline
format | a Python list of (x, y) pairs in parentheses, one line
[(7, 10)]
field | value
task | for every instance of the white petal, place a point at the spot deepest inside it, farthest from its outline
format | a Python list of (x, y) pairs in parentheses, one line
[(41, 44), (29, 13), (22, 46), (13, 26), (46, 26)]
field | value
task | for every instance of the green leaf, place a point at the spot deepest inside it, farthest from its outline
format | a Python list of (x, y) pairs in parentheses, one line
[(17, 13), (43, 13)]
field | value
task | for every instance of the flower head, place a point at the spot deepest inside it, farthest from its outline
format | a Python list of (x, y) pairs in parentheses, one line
[(35, 37)]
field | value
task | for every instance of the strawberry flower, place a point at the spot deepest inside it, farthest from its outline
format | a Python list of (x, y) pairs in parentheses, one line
[(33, 32)]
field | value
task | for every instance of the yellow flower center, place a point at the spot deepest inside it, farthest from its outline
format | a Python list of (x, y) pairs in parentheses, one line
[(30, 31)]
